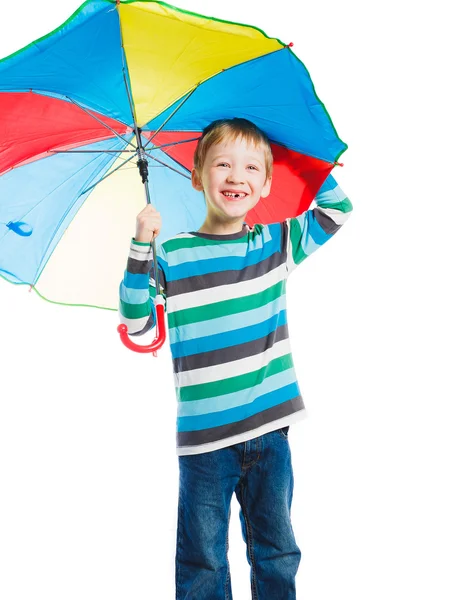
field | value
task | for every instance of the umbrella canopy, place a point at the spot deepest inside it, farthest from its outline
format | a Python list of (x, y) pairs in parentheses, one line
[(74, 104)]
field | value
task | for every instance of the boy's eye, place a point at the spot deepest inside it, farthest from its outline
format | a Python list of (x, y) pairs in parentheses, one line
[(223, 165), (252, 167)]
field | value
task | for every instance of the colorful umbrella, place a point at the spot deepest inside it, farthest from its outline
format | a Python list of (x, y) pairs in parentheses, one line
[(123, 88)]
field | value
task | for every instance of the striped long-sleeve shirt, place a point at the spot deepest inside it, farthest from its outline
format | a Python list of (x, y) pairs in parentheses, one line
[(225, 301)]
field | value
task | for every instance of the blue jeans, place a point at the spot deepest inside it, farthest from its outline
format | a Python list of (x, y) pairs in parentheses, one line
[(259, 471)]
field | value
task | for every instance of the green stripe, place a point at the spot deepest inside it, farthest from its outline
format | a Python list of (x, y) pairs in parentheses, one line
[(135, 311), (295, 235), (344, 205), (226, 307), (196, 242), (148, 244), (235, 384)]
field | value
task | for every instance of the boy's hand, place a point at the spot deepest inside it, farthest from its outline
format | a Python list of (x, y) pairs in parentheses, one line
[(148, 224)]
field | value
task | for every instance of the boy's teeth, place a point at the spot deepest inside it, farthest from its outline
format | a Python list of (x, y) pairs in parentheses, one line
[(233, 195)]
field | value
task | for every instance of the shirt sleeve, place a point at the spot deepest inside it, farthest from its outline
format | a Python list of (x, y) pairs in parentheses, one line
[(304, 234), (137, 289)]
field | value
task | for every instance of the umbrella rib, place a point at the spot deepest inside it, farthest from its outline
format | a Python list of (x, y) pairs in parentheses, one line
[(172, 113), (173, 143), (87, 151), (110, 173), (141, 150), (168, 166), (131, 104), (100, 121)]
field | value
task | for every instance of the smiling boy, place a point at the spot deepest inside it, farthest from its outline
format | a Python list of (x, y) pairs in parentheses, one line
[(236, 386), (234, 171)]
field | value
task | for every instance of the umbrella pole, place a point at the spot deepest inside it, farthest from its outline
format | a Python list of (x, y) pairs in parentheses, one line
[(143, 166), (159, 303)]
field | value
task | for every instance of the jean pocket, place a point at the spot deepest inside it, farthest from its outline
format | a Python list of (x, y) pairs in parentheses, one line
[(284, 432)]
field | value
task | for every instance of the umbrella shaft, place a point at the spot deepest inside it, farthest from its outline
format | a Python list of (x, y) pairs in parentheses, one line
[(144, 172), (142, 162)]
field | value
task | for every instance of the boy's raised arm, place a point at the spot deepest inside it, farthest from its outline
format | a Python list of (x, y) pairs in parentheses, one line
[(137, 289), (308, 231)]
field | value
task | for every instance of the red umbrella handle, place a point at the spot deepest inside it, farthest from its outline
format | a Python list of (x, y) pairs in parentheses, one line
[(157, 342)]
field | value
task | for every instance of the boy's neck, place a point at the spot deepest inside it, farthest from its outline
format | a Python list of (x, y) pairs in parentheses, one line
[(222, 228)]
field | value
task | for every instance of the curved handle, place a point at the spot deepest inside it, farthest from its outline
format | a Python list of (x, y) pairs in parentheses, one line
[(157, 342)]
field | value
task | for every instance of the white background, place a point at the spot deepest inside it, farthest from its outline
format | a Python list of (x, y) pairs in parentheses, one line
[(380, 330)]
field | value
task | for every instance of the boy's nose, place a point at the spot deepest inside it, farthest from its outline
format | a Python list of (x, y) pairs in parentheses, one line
[(235, 177)]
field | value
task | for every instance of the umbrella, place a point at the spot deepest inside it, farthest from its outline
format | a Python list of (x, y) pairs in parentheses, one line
[(118, 95)]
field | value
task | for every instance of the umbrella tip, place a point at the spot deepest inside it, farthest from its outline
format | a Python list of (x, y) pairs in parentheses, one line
[(290, 45)]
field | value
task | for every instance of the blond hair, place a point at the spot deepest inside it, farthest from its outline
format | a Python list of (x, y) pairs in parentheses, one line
[(231, 129)]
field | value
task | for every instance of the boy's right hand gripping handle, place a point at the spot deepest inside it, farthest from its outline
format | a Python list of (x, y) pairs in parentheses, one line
[(158, 341)]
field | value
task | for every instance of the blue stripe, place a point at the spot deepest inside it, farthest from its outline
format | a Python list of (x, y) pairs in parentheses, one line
[(329, 197), (227, 401), (227, 323), (136, 281), (328, 185), (239, 413), (316, 232), (133, 295), (228, 263), (210, 252), (229, 338)]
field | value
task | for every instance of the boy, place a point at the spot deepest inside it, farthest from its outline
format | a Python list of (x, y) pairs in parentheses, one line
[(235, 381)]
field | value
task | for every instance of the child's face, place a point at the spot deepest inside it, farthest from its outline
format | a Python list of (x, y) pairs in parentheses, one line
[(233, 178)]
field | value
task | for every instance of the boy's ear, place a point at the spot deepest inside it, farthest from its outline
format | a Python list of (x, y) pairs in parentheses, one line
[(196, 180), (266, 187)]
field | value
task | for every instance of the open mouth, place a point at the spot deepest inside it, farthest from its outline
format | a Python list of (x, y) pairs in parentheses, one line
[(234, 195)]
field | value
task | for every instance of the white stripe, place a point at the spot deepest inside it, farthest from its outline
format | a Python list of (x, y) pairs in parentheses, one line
[(182, 235), (337, 216), (140, 248), (140, 255), (134, 325), (231, 291), (234, 368), (290, 264)]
